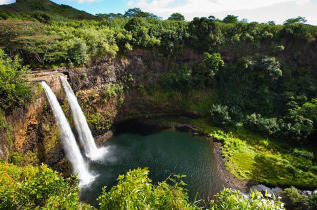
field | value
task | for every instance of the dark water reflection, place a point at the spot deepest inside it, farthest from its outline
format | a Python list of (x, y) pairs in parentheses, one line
[(164, 153)]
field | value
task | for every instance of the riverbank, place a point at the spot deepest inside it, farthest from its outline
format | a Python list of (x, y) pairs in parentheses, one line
[(228, 178), (247, 159)]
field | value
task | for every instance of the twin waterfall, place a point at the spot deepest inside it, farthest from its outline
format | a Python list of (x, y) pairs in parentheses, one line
[(81, 125), (69, 142)]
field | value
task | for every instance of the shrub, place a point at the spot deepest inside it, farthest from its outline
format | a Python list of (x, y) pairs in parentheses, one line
[(112, 90), (14, 90), (313, 201), (232, 199), (32, 188), (135, 191), (294, 199), (219, 115), (255, 122), (304, 153)]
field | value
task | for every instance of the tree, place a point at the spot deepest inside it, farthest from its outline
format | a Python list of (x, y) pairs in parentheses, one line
[(11, 30), (299, 19), (213, 62), (137, 12), (205, 34), (211, 17), (177, 16), (271, 22), (230, 19), (14, 89), (220, 115), (109, 15), (38, 46)]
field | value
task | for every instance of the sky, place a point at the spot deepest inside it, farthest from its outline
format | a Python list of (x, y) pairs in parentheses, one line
[(252, 10)]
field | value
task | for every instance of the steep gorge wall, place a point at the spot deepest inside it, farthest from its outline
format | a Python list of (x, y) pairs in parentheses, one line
[(34, 133), (33, 136)]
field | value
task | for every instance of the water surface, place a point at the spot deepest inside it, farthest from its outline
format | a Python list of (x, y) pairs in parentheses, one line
[(164, 153)]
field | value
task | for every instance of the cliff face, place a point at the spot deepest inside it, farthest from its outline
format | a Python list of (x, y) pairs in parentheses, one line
[(33, 136), (108, 93)]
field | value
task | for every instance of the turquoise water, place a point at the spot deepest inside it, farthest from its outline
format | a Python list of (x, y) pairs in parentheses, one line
[(164, 153)]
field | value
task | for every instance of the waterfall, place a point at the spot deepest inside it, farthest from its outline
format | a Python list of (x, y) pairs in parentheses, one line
[(68, 139), (82, 128)]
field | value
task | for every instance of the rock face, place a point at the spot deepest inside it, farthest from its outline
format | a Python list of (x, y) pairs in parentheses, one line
[(33, 133), (107, 91)]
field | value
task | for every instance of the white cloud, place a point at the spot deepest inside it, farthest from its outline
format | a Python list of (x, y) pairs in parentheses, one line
[(6, 1), (130, 3), (194, 8)]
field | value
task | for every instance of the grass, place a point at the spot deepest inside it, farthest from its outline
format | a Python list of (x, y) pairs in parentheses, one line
[(249, 156)]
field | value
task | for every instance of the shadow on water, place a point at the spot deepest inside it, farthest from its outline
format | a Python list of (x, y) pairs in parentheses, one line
[(164, 153), (137, 127)]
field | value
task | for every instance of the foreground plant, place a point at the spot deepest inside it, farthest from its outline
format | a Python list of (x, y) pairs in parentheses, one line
[(135, 191), (32, 188), (232, 199)]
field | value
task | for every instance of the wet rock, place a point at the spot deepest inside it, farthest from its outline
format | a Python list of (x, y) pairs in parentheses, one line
[(102, 139)]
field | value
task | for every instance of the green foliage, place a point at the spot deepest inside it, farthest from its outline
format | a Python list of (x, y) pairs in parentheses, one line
[(250, 84), (296, 199), (313, 201), (31, 188), (177, 17), (181, 79), (6, 129), (213, 62), (14, 90), (250, 156), (200, 76), (28, 158), (303, 153), (42, 17), (299, 19), (230, 19), (232, 199), (42, 8), (112, 90), (255, 122), (135, 191), (205, 34), (98, 121), (137, 12), (219, 115)]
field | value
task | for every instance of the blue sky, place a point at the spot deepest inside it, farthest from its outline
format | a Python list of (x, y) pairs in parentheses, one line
[(252, 10)]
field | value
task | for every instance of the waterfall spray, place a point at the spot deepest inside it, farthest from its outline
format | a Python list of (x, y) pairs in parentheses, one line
[(68, 139), (81, 125)]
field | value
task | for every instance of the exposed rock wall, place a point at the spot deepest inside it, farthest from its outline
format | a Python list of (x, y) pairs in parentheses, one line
[(34, 131), (35, 136)]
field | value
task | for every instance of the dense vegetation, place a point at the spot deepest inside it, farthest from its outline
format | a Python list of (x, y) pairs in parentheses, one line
[(259, 86), (33, 188), (14, 90), (29, 188), (253, 84)]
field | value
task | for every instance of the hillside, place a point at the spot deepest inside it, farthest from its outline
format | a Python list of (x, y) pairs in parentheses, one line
[(249, 87), (49, 7)]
